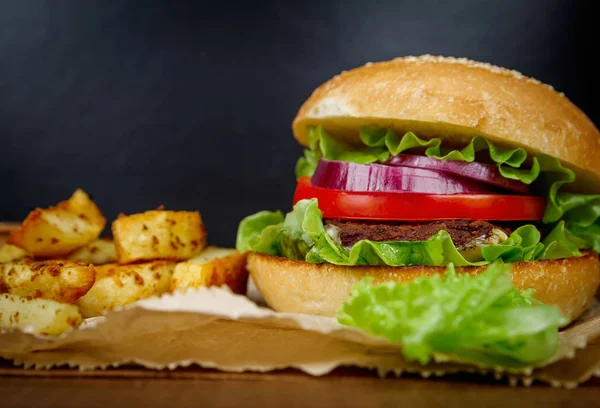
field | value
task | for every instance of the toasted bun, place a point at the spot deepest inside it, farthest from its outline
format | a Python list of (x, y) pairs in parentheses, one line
[(457, 99), (300, 287)]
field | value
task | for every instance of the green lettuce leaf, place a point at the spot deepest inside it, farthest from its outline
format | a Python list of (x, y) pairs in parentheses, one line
[(260, 233), (481, 319), (301, 228), (270, 233), (302, 236), (306, 165), (508, 160), (580, 212), (522, 245), (437, 251)]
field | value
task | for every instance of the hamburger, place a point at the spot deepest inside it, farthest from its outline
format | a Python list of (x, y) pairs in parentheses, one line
[(418, 163)]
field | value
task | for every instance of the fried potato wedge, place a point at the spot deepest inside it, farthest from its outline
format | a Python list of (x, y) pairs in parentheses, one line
[(62, 281), (212, 267), (42, 315), (98, 252), (159, 234), (119, 285), (59, 230), (9, 253)]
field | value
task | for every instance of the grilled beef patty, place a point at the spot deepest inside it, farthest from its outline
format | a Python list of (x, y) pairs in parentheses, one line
[(464, 233)]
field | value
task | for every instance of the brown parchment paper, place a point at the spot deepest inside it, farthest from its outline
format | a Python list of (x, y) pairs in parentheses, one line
[(213, 328)]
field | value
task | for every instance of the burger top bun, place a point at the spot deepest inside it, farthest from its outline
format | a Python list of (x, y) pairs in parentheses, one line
[(456, 99)]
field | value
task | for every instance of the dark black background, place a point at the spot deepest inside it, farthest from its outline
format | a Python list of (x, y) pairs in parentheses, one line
[(189, 104)]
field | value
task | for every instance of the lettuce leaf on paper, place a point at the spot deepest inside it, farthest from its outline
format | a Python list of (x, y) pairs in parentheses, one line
[(301, 235), (580, 212), (481, 319)]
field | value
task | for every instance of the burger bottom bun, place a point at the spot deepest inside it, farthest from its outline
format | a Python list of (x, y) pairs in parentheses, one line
[(320, 289)]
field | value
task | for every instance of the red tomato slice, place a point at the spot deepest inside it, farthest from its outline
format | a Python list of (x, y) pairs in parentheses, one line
[(420, 207)]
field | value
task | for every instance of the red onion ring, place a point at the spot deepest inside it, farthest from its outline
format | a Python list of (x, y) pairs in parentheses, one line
[(346, 176), (484, 173)]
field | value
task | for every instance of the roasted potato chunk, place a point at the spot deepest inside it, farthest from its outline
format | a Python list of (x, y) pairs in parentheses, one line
[(159, 234), (212, 267), (57, 231), (63, 281), (99, 252), (119, 285), (9, 253), (44, 316)]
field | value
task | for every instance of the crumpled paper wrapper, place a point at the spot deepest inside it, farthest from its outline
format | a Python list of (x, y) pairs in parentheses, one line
[(214, 328)]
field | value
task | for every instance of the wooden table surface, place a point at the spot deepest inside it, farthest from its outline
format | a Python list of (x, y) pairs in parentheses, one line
[(195, 387), (348, 388)]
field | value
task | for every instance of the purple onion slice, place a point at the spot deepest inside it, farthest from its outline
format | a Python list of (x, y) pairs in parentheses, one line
[(481, 172), (345, 176)]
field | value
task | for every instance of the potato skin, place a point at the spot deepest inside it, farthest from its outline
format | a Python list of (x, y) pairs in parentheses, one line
[(57, 231), (212, 267), (119, 285), (62, 281), (45, 316), (159, 234)]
